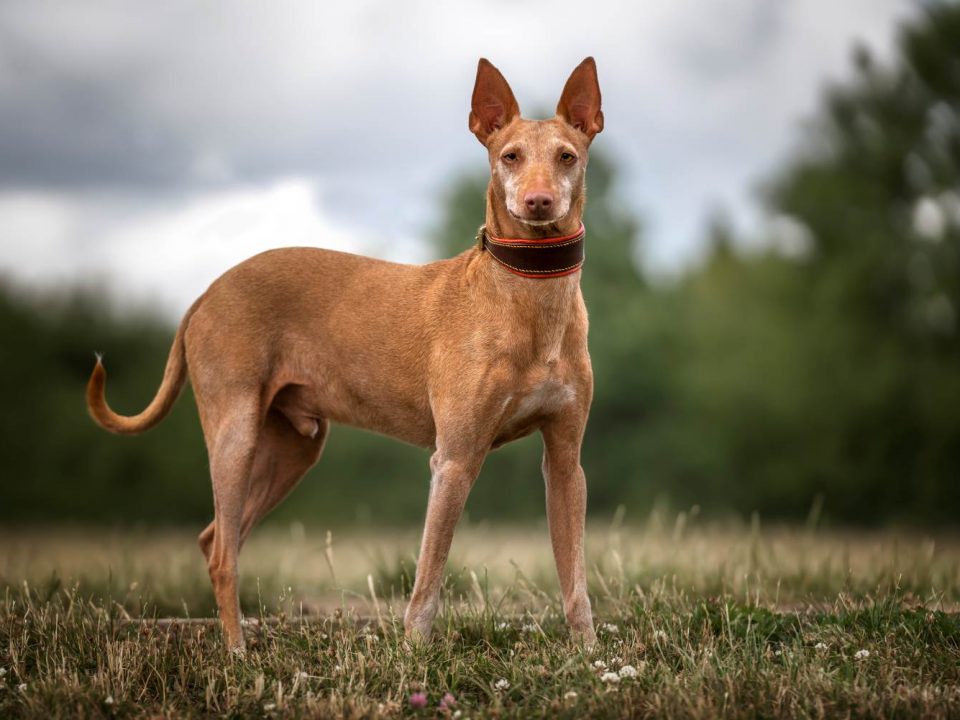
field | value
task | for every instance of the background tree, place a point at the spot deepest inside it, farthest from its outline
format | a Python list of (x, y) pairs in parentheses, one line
[(824, 365)]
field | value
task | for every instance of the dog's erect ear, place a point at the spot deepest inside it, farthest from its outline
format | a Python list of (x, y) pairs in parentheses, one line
[(580, 102), (493, 104)]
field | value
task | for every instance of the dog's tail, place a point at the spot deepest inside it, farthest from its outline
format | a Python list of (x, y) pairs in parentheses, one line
[(174, 377)]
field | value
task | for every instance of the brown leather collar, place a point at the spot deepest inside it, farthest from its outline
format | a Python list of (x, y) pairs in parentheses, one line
[(541, 258)]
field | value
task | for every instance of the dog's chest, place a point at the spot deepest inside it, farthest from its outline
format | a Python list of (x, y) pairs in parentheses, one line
[(541, 396)]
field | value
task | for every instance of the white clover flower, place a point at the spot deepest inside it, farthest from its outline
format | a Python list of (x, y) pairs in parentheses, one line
[(22, 687), (502, 684), (610, 677), (108, 700), (628, 671), (530, 628), (570, 695), (821, 646), (778, 653), (269, 707), (660, 635), (337, 669), (600, 664), (3, 671), (862, 654), (502, 625), (457, 714), (610, 628)]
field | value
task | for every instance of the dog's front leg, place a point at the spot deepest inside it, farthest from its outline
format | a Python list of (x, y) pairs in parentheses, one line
[(452, 475), (566, 511)]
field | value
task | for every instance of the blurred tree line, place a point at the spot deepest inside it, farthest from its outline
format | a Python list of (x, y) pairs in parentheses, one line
[(822, 366)]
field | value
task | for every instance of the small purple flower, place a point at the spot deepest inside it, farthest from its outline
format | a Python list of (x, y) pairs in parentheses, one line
[(448, 702), (418, 700)]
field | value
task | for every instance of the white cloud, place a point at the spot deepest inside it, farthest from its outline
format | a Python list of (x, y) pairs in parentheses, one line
[(162, 257), (34, 228)]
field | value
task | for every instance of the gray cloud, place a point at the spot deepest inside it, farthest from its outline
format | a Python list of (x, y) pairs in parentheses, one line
[(167, 103)]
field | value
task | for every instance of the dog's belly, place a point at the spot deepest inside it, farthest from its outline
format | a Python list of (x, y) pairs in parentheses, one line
[(404, 418), (395, 415)]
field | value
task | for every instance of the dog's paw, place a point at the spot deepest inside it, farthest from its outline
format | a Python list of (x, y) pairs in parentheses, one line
[(585, 637), (414, 637)]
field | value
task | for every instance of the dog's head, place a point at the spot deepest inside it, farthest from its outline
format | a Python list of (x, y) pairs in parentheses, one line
[(537, 166)]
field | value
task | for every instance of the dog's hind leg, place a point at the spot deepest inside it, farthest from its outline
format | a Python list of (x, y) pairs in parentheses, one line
[(283, 457), (231, 442)]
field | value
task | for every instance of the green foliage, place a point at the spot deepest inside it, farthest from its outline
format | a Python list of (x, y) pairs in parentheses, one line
[(845, 361), (882, 282), (57, 464)]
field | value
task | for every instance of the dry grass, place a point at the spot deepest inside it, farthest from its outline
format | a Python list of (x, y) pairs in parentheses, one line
[(717, 621)]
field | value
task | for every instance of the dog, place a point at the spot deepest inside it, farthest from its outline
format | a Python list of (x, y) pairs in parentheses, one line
[(459, 356)]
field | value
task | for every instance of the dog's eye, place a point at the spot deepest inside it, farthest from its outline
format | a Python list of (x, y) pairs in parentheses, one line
[(510, 157), (567, 157)]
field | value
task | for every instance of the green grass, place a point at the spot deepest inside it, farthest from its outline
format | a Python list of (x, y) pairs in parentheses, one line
[(716, 621)]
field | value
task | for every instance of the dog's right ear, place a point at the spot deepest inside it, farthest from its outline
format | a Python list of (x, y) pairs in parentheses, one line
[(493, 104)]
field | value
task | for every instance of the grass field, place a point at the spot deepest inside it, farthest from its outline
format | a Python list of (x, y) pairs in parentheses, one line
[(694, 621)]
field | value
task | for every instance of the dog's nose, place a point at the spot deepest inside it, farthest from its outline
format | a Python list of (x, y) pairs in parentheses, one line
[(538, 202)]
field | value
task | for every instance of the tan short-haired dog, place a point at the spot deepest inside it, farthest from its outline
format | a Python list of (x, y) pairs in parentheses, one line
[(459, 356)]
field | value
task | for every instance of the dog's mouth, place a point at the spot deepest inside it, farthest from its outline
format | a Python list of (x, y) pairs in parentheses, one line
[(534, 221)]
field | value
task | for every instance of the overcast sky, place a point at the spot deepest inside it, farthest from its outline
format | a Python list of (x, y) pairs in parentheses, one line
[(147, 147)]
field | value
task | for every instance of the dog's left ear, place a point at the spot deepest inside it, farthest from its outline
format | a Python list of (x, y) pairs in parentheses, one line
[(580, 102)]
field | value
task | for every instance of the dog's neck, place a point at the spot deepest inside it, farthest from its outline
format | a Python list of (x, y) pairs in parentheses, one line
[(543, 305), (500, 223)]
